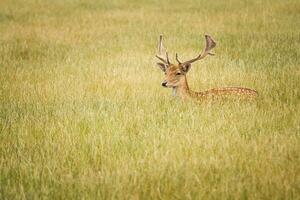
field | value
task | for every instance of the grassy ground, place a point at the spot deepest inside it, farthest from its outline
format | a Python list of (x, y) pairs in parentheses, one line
[(83, 115)]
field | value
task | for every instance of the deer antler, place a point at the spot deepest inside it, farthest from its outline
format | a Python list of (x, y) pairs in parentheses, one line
[(210, 44), (177, 59), (163, 60), (160, 51), (160, 45)]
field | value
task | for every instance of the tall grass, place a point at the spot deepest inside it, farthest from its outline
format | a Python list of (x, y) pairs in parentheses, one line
[(83, 115)]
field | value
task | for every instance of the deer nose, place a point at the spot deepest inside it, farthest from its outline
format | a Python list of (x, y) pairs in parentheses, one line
[(164, 84)]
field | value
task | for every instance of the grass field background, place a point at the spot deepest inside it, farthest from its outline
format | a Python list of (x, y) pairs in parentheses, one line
[(83, 115)]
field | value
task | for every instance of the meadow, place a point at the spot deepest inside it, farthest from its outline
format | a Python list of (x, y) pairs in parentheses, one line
[(83, 114)]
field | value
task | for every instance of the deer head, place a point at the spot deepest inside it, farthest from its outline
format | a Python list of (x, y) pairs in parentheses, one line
[(175, 73)]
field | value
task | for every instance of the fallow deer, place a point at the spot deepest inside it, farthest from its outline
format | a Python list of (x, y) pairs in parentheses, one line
[(176, 76)]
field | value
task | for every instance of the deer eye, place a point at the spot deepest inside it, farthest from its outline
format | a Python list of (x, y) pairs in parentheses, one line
[(178, 73)]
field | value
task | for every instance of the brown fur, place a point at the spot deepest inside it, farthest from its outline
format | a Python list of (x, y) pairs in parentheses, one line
[(176, 76), (176, 79)]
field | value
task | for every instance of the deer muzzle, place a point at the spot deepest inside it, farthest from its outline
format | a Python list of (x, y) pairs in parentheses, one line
[(164, 83)]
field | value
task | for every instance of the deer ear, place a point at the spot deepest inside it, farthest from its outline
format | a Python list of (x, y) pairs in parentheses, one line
[(186, 67), (162, 66)]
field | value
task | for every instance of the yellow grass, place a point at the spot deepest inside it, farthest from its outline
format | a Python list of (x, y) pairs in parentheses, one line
[(83, 115)]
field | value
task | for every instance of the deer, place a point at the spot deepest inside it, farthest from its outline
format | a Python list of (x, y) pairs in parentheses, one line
[(175, 76)]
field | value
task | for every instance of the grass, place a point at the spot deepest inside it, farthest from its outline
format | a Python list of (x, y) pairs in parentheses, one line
[(83, 115)]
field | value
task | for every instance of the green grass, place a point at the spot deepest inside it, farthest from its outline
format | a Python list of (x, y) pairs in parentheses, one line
[(83, 115)]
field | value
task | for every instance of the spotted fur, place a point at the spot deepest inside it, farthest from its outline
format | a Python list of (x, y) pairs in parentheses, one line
[(176, 79), (176, 76)]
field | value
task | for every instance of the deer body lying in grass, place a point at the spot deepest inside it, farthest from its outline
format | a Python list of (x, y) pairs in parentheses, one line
[(176, 77)]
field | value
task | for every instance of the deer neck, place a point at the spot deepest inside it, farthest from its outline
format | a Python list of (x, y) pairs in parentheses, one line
[(182, 90)]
